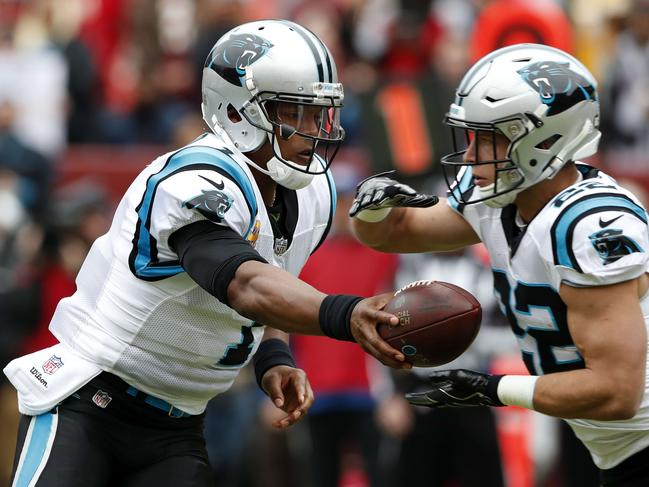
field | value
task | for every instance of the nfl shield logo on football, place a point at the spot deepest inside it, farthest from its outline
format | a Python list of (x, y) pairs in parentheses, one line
[(53, 364), (101, 399), (281, 246)]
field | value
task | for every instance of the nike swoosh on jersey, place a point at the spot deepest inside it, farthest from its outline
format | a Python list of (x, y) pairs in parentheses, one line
[(219, 186), (606, 223)]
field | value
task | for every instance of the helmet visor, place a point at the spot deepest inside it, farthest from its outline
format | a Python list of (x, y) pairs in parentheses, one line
[(319, 122)]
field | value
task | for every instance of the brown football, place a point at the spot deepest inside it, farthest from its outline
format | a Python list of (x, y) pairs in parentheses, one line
[(437, 322)]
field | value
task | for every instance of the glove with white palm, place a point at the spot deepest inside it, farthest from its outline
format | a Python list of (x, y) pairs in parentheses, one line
[(378, 194)]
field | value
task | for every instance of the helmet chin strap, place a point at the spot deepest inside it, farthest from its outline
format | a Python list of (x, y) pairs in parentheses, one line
[(499, 201), (504, 199), (276, 168), (282, 173)]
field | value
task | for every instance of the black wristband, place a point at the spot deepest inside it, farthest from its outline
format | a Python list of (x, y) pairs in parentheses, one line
[(492, 389), (335, 313), (271, 353)]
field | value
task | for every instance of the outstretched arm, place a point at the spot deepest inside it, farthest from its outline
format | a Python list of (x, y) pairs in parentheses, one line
[(273, 296), (226, 266), (392, 217)]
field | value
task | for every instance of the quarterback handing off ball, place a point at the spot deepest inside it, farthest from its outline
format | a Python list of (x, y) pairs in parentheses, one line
[(437, 322)]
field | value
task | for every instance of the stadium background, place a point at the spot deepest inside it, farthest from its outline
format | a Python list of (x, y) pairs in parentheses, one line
[(92, 90)]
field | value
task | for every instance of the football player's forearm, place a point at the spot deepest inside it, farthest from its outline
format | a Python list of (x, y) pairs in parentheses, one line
[(378, 235), (275, 298), (583, 394)]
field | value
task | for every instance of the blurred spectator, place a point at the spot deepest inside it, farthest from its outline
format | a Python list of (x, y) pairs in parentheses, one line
[(344, 435), (19, 243), (402, 117), (505, 22), (64, 19), (79, 215), (32, 169), (625, 113), (151, 79), (34, 77)]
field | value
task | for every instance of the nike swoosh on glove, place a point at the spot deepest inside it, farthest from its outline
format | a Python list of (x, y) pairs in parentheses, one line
[(458, 389), (379, 191)]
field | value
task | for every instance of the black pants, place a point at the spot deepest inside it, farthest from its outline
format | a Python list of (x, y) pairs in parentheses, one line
[(632, 472), (126, 443), (330, 433), (452, 445)]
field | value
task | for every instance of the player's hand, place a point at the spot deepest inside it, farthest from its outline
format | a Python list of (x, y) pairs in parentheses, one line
[(290, 391), (458, 389), (367, 314), (379, 192)]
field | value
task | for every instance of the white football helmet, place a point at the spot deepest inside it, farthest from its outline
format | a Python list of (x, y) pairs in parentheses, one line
[(542, 99), (274, 77)]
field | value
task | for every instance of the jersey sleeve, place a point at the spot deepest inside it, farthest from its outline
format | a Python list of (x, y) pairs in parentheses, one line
[(192, 196), (196, 184), (599, 240)]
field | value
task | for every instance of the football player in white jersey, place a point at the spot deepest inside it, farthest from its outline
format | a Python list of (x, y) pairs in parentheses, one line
[(568, 249), (202, 253)]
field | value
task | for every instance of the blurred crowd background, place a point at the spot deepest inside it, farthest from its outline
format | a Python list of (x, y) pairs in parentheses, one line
[(92, 90)]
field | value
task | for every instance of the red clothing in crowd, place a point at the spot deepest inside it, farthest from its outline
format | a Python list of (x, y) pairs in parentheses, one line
[(341, 266)]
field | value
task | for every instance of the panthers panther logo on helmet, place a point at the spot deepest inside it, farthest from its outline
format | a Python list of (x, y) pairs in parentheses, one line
[(230, 58), (559, 87), (611, 245)]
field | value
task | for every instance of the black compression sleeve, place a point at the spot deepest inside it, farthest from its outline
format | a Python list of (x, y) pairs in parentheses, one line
[(211, 254)]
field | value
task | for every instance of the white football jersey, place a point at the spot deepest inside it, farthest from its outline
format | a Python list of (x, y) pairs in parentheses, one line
[(137, 314), (592, 233)]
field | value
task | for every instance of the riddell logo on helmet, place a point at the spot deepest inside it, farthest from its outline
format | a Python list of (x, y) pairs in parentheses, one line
[(558, 86), (231, 57)]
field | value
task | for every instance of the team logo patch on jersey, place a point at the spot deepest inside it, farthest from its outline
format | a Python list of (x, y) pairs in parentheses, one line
[(101, 399), (254, 234), (53, 364), (212, 204), (231, 57), (281, 246), (611, 244), (558, 86)]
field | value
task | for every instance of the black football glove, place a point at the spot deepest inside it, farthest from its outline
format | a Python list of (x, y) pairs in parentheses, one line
[(379, 191), (458, 389)]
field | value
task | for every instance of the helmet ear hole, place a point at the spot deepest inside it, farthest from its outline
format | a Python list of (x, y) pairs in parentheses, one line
[(546, 144), (233, 114)]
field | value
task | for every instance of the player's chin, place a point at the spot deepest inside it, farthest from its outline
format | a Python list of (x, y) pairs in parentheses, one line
[(303, 158)]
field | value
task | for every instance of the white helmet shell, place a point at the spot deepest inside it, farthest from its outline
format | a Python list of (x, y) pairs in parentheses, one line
[(260, 61), (542, 99)]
